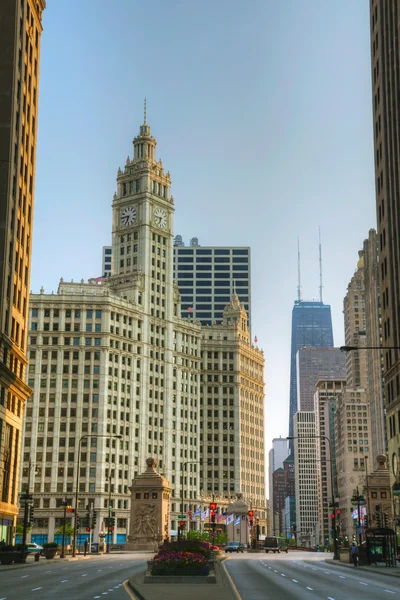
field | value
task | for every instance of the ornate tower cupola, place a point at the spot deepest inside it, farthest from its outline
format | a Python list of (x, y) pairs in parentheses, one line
[(235, 314), (144, 145)]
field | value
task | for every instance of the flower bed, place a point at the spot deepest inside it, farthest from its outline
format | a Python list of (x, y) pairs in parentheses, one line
[(180, 563)]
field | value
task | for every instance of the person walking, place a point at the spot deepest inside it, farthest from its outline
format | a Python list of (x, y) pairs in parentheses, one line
[(354, 554)]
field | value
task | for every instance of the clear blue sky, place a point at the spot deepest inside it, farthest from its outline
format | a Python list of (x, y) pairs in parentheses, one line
[(262, 113)]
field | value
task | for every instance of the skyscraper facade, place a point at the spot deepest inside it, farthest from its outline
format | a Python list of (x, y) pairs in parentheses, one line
[(207, 276), (21, 28), (307, 528), (311, 326), (314, 364), (385, 57)]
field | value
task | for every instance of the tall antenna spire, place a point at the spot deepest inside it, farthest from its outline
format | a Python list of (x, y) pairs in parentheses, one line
[(298, 271), (320, 266), (144, 122)]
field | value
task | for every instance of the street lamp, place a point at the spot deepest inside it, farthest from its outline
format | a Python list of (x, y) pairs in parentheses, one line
[(360, 501), (314, 437), (26, 497), (87, 435)]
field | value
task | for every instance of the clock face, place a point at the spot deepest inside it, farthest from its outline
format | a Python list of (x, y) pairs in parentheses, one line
[(160, 218), (128, 216)]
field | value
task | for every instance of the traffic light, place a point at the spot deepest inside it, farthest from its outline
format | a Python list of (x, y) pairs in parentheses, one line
[(378, 515), (366, 521), (213, 516), (213, 506), (333, 523), (94, 519), (78, 522), (87, 528), (112, 521), (251, 513), (31, 513), (182, 524)]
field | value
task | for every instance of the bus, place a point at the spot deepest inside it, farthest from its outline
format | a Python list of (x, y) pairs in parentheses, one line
[(275, 544)]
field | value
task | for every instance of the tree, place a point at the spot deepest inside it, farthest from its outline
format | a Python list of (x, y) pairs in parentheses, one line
[(67, 529)]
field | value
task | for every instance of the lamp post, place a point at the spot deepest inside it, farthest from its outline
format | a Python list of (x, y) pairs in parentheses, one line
[(64, 504), (109, 516), (87, 435), (360, 501), (26, 497), (314, 437)]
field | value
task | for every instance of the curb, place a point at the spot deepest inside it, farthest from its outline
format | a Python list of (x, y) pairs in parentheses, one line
[(365, 569), (230, 580), (137, 594)]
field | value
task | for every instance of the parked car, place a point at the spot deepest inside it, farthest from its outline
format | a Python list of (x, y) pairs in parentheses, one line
[(234, 547), (32, 547)]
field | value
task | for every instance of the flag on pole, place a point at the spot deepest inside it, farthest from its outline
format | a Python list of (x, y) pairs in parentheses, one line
[(237, 521), (197, 512), (98, 279), (190, 309), (255, 340), (229, 519)]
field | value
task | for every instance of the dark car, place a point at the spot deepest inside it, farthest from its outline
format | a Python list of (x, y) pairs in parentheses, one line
[(234, 547)]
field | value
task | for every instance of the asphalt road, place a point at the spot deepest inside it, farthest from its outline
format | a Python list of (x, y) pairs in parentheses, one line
[(305, 576), (84, 579)]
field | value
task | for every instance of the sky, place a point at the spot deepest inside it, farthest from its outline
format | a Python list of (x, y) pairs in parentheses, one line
[(262, 114)]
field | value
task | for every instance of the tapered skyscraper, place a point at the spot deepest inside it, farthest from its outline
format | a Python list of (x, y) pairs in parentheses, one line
[(311, 326)]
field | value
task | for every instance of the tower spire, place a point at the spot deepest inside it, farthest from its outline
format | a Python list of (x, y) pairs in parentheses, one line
[(298, 271), (320, 266), (145, 103)]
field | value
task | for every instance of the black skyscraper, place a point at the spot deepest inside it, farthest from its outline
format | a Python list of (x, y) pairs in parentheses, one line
[(311, 326)]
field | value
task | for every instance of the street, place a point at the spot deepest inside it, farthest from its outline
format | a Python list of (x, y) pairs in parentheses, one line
[(84, 579), (304, 576)]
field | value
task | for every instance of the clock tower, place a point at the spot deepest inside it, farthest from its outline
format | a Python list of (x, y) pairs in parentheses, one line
[(142, 229)]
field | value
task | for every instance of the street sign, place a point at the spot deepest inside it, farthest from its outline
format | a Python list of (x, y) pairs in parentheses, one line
[(181, 516)]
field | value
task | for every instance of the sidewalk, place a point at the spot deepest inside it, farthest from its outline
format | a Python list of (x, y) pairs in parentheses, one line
[(30, 562), (392, 571), (222, 590)]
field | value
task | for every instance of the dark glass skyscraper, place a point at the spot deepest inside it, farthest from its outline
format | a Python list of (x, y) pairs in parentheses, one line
[(311, 326)]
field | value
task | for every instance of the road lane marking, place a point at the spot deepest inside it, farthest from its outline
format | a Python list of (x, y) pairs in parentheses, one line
[(96, 596), (341, 577), (295, 580), (23, 576), (64, 581), (329, 598), (390, 592), (309, 588), (362, 583), (83, 574), (327, 572), (314, 569), (283, 575), (47, 571), (36, 589)]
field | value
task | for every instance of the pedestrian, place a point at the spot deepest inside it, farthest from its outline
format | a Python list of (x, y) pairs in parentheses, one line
[(354, 554)]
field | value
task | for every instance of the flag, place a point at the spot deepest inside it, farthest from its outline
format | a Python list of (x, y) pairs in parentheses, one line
[(237, 521), (229, 519), (190, 309), (98, 279), (197, 512), (205, 514), (255, 340)]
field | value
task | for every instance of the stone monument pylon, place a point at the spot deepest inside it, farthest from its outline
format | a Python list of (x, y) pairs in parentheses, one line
[(237, 524), (150, 509)]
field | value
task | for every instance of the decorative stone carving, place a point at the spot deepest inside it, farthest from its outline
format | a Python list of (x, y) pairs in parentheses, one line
[(150, 509)]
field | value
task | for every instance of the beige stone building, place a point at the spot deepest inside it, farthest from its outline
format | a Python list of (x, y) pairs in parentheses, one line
[(232, 417), (353, 439), (355, 328), (384, 32), (21, 28), (325, 399), (376, 390), (115, 358)]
